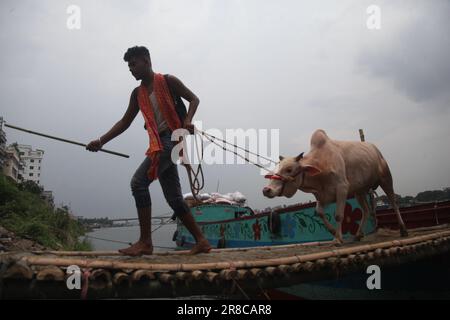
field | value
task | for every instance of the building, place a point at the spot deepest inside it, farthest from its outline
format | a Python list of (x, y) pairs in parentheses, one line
[(32, 160), (12, 163), (3, 156)]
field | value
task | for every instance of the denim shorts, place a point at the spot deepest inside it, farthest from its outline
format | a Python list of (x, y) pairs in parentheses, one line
[(168, 178)]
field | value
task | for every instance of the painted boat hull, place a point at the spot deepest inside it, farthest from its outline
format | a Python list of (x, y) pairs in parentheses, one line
[(427, 279), (228, 226)]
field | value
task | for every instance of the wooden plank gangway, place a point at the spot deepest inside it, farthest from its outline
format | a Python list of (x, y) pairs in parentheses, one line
[(239, 271)]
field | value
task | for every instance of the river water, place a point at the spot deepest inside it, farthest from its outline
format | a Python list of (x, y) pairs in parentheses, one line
[(162, 237)]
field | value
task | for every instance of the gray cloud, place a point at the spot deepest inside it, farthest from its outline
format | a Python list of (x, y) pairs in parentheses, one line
[(416, 56), (294, 66)]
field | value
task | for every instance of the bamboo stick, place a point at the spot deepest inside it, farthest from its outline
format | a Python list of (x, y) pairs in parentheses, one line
[(100, 279), (166, 277), (243, 274), (100, 275), (142, 275), (108, 264), (212, 276), (64, 140), (179, 252), (121, 279), (285, 269), (228, 274), (51, 273), (321, 263), (361, 135), (257, 272), (182, 276), (297, 267), (198, 275), (308, 266), (272, 271), (18, 270)]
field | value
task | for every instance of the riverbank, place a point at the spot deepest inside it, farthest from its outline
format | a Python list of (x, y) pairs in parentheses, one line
[(24, 215)]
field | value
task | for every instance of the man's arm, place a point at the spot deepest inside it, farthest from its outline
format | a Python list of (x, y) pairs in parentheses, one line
[(184, 92), (122, 125)]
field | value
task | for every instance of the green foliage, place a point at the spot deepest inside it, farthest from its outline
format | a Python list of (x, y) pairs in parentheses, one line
[(421, 197), (30, 186), (434, 195), (24, 212)]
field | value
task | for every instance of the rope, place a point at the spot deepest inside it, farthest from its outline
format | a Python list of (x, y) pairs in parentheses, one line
[(236, 146), (212, 139), (196, 178), (195, 182)]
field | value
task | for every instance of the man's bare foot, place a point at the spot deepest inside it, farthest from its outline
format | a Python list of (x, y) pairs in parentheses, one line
[(138, 249), (201, 247)]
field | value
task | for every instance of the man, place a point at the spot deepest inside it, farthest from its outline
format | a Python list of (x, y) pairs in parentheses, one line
[(156, 104)]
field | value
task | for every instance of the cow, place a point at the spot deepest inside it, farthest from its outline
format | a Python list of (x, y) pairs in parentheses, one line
[(332, 170)]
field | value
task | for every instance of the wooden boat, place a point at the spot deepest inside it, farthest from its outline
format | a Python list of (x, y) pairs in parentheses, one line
[(424, 279), (412, 267), (233, 226), (232, 272)]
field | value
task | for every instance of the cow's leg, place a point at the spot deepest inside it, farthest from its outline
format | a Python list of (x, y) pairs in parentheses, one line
[(341, 199), (373, 206), (321, 213), (365, 214), (387, 185)]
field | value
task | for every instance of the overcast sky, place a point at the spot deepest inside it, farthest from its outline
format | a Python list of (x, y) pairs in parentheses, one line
[(295, 66)]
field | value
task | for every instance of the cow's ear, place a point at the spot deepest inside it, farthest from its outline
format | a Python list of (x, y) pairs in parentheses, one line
[(300, 156), (281, 158), (311, 170)]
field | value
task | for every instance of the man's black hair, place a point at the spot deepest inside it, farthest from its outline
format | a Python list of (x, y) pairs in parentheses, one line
[(136, 52)]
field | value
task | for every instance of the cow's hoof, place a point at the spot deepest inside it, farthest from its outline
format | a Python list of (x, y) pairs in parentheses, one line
[(404, 233)]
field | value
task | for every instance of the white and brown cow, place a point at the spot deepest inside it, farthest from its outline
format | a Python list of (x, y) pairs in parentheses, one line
[(331, 171)]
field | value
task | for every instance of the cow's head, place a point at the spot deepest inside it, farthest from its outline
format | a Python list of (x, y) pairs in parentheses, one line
[(289, 177)]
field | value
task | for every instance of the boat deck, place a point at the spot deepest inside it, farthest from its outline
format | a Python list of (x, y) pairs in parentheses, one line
[(239, 271)]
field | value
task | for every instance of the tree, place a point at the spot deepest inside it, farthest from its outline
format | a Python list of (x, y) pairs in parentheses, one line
[(31, 186)]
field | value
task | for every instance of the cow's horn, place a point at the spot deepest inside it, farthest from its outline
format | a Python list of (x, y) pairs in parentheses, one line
[(299, 156)]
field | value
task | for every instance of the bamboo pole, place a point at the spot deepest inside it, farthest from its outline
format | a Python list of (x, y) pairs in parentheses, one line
[(182, 276), (142, 275), (18, 270), (166, 277), (121, 279), (110, 264), (198, 275), (181, 252), (51, 273), (257, 272), (361, 135), (212, 276), (64, 140)]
